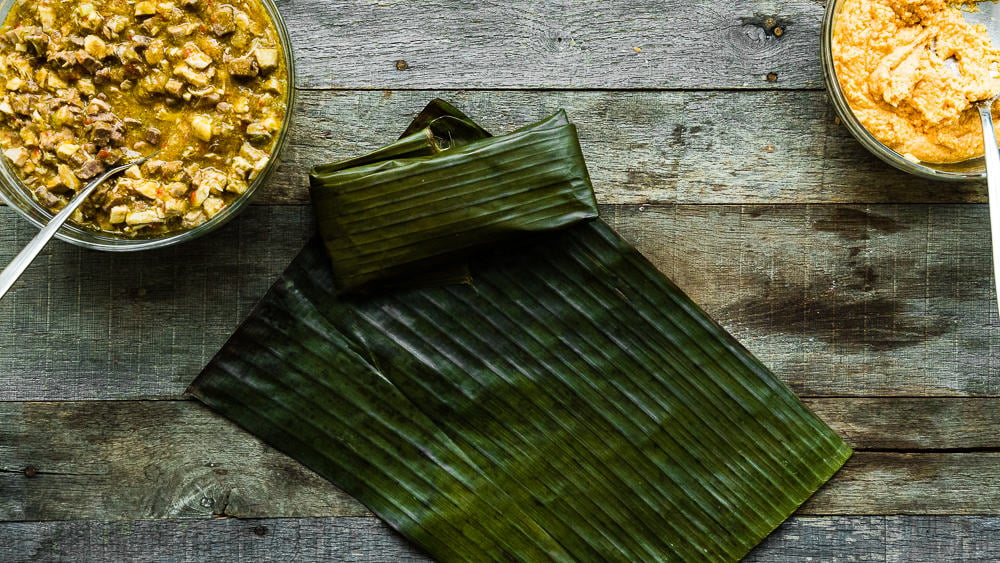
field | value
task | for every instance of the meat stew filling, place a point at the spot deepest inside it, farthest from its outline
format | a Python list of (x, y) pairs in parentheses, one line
[(87, 85)]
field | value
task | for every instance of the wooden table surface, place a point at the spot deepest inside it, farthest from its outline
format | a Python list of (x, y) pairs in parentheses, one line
[(712, 147)]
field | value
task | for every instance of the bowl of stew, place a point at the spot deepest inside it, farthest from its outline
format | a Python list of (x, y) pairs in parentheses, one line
[(207, 87)]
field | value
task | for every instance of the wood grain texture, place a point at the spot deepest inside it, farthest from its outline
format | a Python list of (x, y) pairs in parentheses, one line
[(900, 423), (641, 147), (176, 459), (895, 539), (839, 301), (555, 44)]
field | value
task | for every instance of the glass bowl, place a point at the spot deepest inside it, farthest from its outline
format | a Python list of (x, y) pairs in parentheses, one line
[(968, 170), (17, 195)]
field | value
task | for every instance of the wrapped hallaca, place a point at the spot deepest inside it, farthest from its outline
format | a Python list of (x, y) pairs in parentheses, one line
[(565, 402)]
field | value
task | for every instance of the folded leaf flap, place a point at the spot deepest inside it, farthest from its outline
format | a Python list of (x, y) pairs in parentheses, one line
[(388, 218)]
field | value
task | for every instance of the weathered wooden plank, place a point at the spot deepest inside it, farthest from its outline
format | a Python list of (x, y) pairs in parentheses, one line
[(176, 459), (280, 540), (839, 301), (912, 424), (641, 147), (148, 460), (904, 539), (555, 44), (912, 483)]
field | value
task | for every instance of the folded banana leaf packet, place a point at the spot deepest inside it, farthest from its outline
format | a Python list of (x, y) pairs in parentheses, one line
[(567, 403)]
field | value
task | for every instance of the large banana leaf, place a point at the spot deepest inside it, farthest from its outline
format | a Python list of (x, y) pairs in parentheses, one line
[(571, 403)]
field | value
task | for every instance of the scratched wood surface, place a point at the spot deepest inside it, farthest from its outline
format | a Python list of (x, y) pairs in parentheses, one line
[(712, 147)]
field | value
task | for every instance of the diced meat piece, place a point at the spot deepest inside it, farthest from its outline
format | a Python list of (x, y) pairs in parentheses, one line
[(198, 60), (95, 46), (155, 52), (14, 84), (102, 76), (272, 85), (89, 17), (267, 58), (223, 107), (212, 206), (193, 77), (240, 166), (177, 189), (97, 106), (259, 131), (110, 157), (141, 41), (224, 22), (199, 195), (117, 214), (133, 172), (236, 185), (193, 219), (88, 61), (101, 133), (152, 167), (64, 59), (78, 159), (143, 217), (18, 156), (86, 87), (243, 67), (174, 207), (214, 180), (39, 43), (68, 178), (144, 8), (117, 136), (147, 188), (153, 136), (172, 168), (115, 25), (66, 150), (47, 15), (174, 87), (5, 107), (182, 30), (132, 122), (90, 169), (201, 127)]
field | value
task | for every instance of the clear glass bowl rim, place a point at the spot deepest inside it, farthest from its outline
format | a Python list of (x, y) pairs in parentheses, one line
[(17, 196)]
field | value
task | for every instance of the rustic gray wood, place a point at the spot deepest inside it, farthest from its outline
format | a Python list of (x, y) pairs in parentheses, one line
[(908, 424), (641, 147), (839, 301), (555, 44), (279, 540), (176, 459), (903, 539)]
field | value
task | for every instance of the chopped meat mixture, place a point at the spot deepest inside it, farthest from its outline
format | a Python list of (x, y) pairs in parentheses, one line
[(86, 85)]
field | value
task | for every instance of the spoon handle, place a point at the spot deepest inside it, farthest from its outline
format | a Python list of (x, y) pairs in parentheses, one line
[(992, 156), (24, 258)]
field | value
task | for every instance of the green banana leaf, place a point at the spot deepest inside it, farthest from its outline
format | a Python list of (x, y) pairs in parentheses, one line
[(570, 404), (436, 194)]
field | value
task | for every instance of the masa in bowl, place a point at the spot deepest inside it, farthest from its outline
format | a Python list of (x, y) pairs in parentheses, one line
[(207, 86), (903, 77)]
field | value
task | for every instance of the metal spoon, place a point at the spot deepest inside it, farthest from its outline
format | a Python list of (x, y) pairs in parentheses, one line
[(21, 262), (988, 16), (992, 157)]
